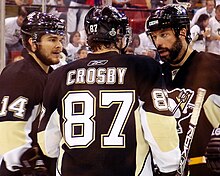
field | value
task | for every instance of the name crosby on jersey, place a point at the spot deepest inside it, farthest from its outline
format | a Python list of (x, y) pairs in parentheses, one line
[(109, 75)]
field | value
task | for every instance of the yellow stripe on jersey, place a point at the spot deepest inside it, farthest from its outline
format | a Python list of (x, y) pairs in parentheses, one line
[(60, 158), (49, 139), (42, 142), (13, 135), (212, 110), (142, 145), (163, 130)]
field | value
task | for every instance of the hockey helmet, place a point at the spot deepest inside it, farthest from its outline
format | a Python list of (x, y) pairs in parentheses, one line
[(106, 24), (169, 16), (37, 23)]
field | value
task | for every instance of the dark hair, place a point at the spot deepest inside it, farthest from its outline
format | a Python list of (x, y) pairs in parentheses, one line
[(135, 37), (201, 19), (97, 45), (81, 49), (72, 34), (22, 11)]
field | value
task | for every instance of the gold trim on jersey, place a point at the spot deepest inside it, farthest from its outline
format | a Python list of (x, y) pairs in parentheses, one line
[(13, 135), (212, 111), (142, 145), (60, 158), (42, 142), (163, 131)]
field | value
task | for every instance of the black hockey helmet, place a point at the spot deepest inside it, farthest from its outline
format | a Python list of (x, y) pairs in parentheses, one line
[(37, 24), (106, 24), (169, 16)]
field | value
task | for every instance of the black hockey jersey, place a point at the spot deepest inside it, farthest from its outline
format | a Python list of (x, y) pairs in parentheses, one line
[(104, 108), (21, 94), (200, 70)]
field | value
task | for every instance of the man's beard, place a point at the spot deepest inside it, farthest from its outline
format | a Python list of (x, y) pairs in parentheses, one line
[(174, 52), (42, 57)]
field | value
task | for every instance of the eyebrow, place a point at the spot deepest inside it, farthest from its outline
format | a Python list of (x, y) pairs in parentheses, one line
[(165, 30), (54, 36)]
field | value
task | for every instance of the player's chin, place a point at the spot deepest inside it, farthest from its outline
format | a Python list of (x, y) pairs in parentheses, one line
[(55, 58), (164, 55), (52, 61)]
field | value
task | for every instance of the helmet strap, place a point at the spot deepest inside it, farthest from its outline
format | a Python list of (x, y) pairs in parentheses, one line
[(120, 47)]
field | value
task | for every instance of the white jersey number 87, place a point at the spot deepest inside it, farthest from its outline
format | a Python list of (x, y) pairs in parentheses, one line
[(84, 118)]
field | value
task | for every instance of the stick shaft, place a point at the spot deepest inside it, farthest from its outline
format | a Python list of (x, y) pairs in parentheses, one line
[(192, 127)]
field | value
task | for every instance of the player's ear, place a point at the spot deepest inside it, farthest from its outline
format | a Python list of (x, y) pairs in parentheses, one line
[(32, 44), (183, 32)]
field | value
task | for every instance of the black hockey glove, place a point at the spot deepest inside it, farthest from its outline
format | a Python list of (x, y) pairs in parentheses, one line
[(213, 151), (166, 174), (156, 172), (32, 164)]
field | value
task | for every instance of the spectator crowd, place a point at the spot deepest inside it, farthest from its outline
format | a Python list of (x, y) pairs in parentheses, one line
[(205, 28)]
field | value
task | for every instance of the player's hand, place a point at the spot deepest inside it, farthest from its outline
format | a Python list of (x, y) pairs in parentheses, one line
[(213, 151), (166, 174), (32, 164), (156, 172)]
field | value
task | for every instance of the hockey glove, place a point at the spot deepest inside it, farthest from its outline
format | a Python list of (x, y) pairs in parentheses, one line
[(165, 174), (213, 151), (32, 164)]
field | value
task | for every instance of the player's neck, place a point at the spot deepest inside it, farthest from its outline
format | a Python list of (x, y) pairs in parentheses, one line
[(104, 50), (42, 65), (185, 56)]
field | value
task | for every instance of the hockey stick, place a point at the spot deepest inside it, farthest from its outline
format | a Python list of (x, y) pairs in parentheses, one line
[(184, 4), (192, 127)]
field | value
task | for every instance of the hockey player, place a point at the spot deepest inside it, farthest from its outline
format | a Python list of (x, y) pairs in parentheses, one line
[(169, 28), (212, 108), (21, 92), (106, 114)]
